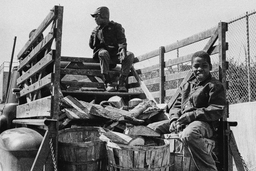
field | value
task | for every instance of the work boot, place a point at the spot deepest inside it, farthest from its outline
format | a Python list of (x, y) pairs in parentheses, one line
[(122, 84), (108, 83)]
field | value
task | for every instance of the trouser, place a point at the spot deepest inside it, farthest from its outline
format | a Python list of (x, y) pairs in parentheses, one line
[(105, 60), (193, 137)]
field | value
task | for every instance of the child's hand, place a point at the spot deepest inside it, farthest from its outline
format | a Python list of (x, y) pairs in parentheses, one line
[(122, 55), (186, 118)]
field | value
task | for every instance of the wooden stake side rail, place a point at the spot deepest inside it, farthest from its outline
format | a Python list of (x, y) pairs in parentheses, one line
[(39, 86)]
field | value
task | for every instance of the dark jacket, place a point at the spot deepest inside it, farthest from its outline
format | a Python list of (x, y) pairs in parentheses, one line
[(110, 37), (203, 101)]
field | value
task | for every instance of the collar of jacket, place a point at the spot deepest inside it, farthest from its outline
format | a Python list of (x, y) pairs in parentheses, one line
[(110, 23)]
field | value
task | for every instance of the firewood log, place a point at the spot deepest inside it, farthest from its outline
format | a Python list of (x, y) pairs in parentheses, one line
[(137, 141), (118, 137), (142, 131)]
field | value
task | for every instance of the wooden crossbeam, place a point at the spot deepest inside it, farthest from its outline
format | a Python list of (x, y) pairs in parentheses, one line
[(37, 108)]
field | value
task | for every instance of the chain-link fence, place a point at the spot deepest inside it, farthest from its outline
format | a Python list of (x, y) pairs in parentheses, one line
[(241, 55)]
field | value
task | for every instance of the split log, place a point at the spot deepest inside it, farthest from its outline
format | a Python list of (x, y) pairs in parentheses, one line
[(134, 102), (125, 114), (98, 110), (137, 141), (73, 102), (141, 107), (118, 137), (73, 113), (142, 131)]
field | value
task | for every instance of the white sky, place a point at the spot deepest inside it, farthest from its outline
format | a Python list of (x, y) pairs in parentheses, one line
[(149, 24)]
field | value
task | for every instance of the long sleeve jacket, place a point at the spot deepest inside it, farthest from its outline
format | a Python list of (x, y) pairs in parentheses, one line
[(110, 37), (202, 101)]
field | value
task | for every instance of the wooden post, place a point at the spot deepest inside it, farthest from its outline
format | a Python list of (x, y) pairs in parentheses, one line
[(161, 74), (226, 157), (56, 79)]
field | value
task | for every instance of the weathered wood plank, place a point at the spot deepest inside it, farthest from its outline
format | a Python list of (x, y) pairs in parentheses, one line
[(152, 81), (156, 94), (88, 72), (192, 39), (45, 61), (81, 72), (38, 122), (105, 93), (37, 108), (37, 85), (148, 69), (84, 59), (142, 85), (39, 30), (78, 59), (43, 44), (187, 58), (171, 92), (83, 84), (147, 56), (212, 40), (176, 76), (55, 106)]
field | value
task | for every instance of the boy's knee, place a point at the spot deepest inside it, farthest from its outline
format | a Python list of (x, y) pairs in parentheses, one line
[(103, 53), (130, 57), (189, 135)]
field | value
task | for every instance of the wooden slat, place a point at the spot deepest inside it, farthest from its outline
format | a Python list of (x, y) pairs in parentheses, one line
[(83, 84), (39, 30), (170, 92), (37, 85), (45, 61), (105, 93), (47, 40), (152, 81), (78, 59), (187, 58), (81, 72), (37, 108), (55, 104), (212, 40), (156, 94), (176, 76), (148, 69), (37, 122), (88, 72), (142, 85), (147, 56), (192, 39)]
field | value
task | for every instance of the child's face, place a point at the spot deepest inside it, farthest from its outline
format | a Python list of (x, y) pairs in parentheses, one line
[(201, 68)]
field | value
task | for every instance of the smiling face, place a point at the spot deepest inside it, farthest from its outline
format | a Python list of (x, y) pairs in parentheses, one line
[(201, 68)]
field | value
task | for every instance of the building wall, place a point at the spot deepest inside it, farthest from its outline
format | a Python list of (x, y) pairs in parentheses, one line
[(245, 131)]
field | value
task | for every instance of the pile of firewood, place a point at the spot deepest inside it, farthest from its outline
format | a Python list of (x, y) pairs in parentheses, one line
[(109, 114), (133, 136)]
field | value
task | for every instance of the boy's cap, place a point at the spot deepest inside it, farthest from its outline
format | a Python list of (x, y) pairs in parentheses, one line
[(102, 11)]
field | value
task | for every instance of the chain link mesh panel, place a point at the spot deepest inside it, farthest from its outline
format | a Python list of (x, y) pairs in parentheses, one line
[(241, 56)]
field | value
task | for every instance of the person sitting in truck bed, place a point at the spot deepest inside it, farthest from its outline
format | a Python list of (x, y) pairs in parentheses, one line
[(196, 112), (109, 46)]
